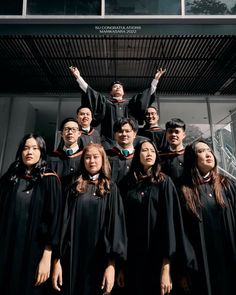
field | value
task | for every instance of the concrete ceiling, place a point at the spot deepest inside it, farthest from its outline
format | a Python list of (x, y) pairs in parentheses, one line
[(196, 64)]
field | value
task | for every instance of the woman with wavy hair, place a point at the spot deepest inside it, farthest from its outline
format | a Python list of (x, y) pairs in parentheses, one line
[(30, 207), (154, 225), (209, 210), (94, 233)]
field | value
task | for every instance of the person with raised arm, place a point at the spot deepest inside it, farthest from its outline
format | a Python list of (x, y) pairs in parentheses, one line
[(107, 110)]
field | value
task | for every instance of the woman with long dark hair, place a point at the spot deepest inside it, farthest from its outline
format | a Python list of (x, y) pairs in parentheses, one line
[(153, 223), (94, 233), (30, 207), (209, 210)]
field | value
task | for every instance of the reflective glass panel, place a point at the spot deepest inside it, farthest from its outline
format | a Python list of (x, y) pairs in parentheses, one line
[(224, 134), (64, 7), (210, 7), (194, 114), (143, 7), (11, 7)]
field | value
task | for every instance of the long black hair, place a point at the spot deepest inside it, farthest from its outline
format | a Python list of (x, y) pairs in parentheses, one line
[(136, 172), (192, 179), (18, 169)]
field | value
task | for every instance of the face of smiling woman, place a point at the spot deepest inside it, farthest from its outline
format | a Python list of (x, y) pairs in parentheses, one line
[(31, 153), (147, 155)]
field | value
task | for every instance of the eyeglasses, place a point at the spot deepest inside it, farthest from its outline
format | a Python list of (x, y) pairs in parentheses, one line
[(72, 129)]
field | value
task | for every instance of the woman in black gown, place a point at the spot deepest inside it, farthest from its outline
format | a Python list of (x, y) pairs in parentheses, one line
[(30, 207), (153, 222), (209, 211), (94, 233)]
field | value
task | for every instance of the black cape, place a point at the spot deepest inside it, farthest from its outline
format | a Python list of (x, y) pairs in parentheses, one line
[(93, 231), (156, 135), (214, 242), (65, 166), (90, 137), (120, 166), (29, 220), (155, 231), (172, 164), (108, 110)]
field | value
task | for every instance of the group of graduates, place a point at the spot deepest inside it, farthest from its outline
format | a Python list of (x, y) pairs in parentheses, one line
[(123, 210)]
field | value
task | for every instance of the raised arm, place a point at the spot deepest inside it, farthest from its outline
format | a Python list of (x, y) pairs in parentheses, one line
[(76, 73), (156, 79), (159, 73)]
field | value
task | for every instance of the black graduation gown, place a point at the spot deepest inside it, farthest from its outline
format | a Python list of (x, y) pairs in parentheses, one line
[(172, 164), (155, 231), (65, 166), (89, 137), (214, 242), (108, 110), (156, 135), (120, 166), (93, 231), (29, 220), (108, 144)]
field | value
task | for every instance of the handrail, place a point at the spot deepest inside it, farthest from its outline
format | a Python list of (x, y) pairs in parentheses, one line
[(227, 173)]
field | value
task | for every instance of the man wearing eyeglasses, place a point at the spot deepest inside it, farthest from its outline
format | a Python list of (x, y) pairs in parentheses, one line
[(66, 158)]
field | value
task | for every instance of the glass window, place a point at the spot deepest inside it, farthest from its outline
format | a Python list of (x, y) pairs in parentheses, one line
[(224, 134), (197, 122), (210, 7), (11, 7), (63, 7), (143, 7)]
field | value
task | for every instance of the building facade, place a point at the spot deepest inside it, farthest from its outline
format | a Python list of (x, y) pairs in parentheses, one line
[(126, 40)]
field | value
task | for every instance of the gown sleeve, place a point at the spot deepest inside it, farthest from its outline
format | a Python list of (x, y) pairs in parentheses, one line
[(140, 102), (179, 246), (115, 235), (52, 212), (96, 102), (232, 196)]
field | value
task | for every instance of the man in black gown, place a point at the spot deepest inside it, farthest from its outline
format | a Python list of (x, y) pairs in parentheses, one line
[(152, 130), (66, 158), (88, 133), (121, 154), (107, 110), (172, 158)]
